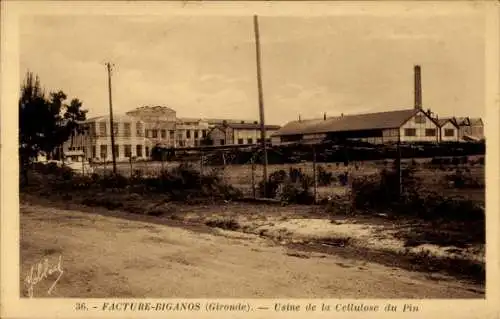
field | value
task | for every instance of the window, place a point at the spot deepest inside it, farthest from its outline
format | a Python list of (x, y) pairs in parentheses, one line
[(128, 150), (115, 129), (419, 119), (240, 141), (204, 133), (93, 151), (195, 134), (410, 132), (147, 151), (138, 150), (430, 132), (126, 130), (449, 132), (163, 133), (188, 133), (102, 129), (250, 141), (139, 129), (104, 152), (172, 135), (259, 140), (155, 133), (222, 142), (117, 151)]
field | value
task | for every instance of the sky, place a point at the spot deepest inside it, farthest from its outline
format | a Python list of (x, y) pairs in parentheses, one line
[(204, 66)]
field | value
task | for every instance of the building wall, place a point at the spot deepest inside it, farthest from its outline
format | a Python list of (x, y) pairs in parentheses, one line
[(96, 142), (250, 136), (159, 124), (216, 135), (191, 134), (419, 128), (448, 127), (390, 135), (477, 130)]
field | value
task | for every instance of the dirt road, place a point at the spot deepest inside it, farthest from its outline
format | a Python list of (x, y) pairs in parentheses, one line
[(103, 256)]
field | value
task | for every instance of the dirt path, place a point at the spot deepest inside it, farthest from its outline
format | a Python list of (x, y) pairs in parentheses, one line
[(104, 256)]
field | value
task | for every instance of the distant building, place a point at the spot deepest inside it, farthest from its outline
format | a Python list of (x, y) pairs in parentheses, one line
[(239, 133), (410, 125), (191, 132), (159, 124), (448, 130), (94, 139), (469, 128)]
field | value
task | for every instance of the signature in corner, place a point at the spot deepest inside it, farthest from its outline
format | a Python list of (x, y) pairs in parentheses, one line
[(40, 271)]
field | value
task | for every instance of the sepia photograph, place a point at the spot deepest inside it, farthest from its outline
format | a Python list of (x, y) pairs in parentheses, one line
[(253, 155)]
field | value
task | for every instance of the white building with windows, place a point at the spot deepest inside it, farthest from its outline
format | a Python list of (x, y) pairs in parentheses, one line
[(448, 130), (239, 133), (95, 139)]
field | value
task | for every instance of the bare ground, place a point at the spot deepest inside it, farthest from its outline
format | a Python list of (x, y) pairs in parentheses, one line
[(105, 255)]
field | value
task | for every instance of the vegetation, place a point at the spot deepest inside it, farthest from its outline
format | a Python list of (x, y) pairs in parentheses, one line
[(294, 187), (179, 183), (45, 121)]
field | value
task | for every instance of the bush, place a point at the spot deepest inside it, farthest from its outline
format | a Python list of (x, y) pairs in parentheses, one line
[(324, 178), (381, 192), (463, 179), (297, 192), (113, 181), (224, 223), (294, 188)]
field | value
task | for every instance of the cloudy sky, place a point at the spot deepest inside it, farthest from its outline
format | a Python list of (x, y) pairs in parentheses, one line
[(204, 66)]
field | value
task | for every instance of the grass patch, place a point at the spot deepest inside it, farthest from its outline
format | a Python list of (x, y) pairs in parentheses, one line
[(446, 234), (224, 223)]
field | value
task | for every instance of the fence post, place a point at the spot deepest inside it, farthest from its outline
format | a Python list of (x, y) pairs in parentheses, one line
[(253, 176), (131, 168), (399, 171), (314, 174), (201, 166), (162, 155)]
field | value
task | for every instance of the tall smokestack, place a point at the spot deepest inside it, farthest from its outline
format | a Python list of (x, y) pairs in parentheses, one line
[(418, 87)]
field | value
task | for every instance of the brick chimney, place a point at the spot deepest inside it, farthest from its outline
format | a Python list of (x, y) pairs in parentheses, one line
[(324, 116), (418, 87)]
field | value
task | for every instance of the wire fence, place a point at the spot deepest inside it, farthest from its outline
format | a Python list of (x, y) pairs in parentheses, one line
[(328, 179)]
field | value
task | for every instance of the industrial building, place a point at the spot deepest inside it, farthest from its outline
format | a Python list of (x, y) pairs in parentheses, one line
[(139, 130), (239, 133), (405, 125)]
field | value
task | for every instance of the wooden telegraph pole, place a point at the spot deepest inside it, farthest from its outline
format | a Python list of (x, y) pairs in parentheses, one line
[(109, 67), (261, 101)]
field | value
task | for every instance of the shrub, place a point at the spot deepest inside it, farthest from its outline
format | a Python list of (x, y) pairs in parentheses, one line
[(324, 178), (298, 192), (381, 191), (224, 223), (294, 174), (113, 181), (463, 179)]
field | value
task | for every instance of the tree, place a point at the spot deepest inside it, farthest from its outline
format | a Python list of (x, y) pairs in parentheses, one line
[(45, 122)]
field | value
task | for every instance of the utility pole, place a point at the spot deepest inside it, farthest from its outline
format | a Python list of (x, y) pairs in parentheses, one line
[(109, 67), (261, 101)]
